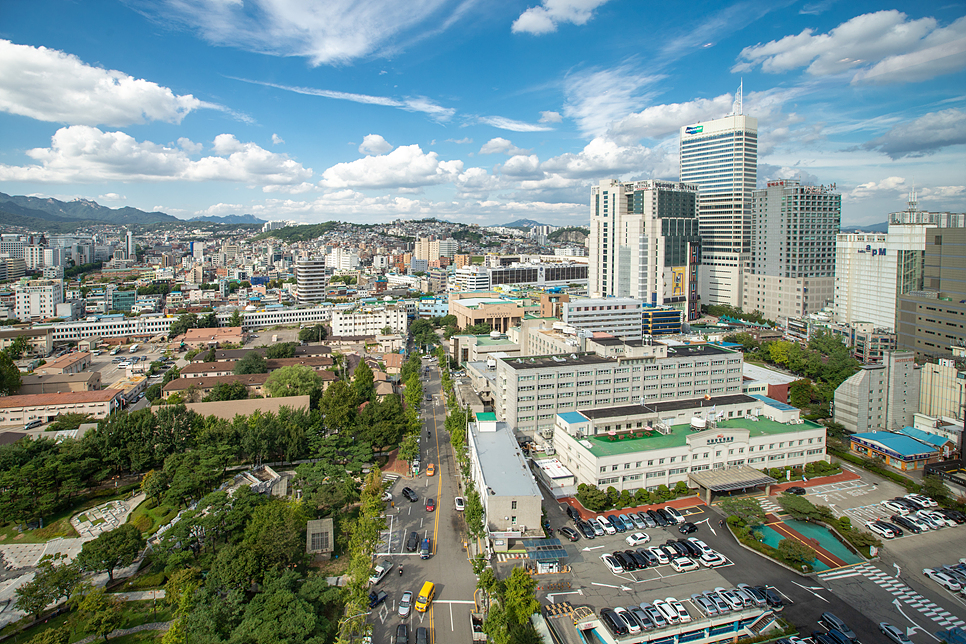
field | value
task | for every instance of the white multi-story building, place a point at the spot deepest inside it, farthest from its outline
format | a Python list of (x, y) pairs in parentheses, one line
[(644, 243), (11, 246), (38, 299), (341, 259), (129, 246), (33, 257), (310, 280), (792, 268), (721, 157), (431, 249), (618, 316), (471, 278), (880, 396), (54, 257), (369, 321)]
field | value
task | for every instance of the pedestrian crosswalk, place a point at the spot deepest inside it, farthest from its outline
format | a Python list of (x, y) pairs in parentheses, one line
[(769, 506), (506, 556), (898, 590)]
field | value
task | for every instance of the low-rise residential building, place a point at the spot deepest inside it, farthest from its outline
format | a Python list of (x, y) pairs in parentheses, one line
[(228, 409), (69, 363), (59, 382), (369, 321), (205, 338), (645, 446), (131, 387), (20, 410), (40, 340), (194, 389), (512, 503)]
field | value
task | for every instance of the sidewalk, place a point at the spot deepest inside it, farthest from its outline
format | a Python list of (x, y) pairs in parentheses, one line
[(778, 488), (677, 504)]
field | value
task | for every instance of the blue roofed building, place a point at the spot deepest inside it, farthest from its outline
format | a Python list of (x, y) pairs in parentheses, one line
[(894, 449), (944, 444)]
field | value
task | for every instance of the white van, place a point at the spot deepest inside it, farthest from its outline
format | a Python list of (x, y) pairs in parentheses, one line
[(605, 525)]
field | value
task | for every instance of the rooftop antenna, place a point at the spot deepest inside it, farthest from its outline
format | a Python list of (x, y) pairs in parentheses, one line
[(913, 199), (736, 108)]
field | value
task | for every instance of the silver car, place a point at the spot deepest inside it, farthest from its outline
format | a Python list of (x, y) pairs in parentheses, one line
[(704, 604), (406, 603)]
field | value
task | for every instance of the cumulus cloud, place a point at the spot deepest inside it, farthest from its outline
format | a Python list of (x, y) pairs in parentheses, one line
[(80, 153), (50, 85), (462, 141), (504, 123), (884, 46), (499, 145), (476, 183), (405, 167), (333, 32), (545, 18), (522, 166), (414, 104), (598, 98), (190, 146), (550, 117), (276, 139), (869, 189), (220, 210), (925, 135), (768, 172), (659, 121), (111, 196), (374, 144)]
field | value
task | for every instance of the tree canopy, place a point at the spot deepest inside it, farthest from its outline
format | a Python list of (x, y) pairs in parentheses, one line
[(251, 362), (114, 549), (295, 380)]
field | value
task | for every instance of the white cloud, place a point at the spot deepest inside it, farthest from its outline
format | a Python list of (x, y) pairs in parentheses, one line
[(50, 85), (374, 144), (504, 123), (190, 146), (415, 104), (925, 135), (522, 167), (80, 153), (111, 196), (277, 140), (220, 210), (476, 183), (499, 145), (550, 117), (768, 172), (462, 141), (884, 46), (405, 167), (544, 19), (331, 32), (596, 99), (659, 121), (888, 185)]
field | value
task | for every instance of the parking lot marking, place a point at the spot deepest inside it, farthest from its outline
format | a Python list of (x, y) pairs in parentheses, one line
[(594, 583), (809, 589)]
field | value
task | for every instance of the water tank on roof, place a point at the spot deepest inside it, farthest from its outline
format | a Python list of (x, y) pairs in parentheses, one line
[(250, 308), (387, 299), (698, 424), (495, 335)]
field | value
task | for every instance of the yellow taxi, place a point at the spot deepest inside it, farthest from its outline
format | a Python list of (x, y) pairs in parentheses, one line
[(431, 470)]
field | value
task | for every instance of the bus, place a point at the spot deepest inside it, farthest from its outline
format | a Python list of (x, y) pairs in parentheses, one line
[(135, 347)]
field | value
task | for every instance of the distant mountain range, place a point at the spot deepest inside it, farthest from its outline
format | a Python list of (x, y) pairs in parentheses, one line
[(229, 219), (867, 228), (523, 223), (33, 211)]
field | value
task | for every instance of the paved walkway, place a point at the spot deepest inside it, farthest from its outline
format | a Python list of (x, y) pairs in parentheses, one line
[(152, 626), (105, 517), (140, 595)]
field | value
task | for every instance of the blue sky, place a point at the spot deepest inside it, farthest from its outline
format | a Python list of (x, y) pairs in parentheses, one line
[(468, 110)]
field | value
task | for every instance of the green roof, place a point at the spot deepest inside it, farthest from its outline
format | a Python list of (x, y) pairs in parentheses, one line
[(485, 416), (603, 446)]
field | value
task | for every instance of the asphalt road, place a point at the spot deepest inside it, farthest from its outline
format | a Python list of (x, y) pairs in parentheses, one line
[(449, 567)]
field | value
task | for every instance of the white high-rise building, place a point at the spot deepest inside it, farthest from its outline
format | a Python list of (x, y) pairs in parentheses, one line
[(792, 270), (38, 299), (33, 257), (644, 243), (130, 249), (721, 157), (310, 280)]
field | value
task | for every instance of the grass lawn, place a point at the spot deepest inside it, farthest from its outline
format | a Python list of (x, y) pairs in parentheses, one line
[(148, 517), (135, 614), (59, 525)]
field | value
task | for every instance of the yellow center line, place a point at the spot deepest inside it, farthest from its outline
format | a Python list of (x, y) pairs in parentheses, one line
[(439, 482)]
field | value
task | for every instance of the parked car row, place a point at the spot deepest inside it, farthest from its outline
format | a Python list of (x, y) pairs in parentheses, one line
[(683, 555), (646, 616), (608, 524), (836, 631), (952, 578)]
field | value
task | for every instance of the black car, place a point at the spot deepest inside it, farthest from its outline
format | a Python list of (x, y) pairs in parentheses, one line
[(409, 494), (422, 635), (377, 598), (639, 562), (658, 518), (898, 519), (573, 514), (890, 526), (648, 556), (822, 638), (626, 562), (586, 530), (909, 504), (687, 528), (402, 634), (570, 533), (676, 547), (613, 623), (772, 598), (795, 490), (955, 515), (413, 542), (693, 550)]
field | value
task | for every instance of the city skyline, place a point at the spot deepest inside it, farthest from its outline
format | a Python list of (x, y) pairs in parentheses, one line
[(466, 111)]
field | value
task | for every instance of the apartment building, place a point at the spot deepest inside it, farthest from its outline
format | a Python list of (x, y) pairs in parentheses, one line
[(369, 321), (38, 298)]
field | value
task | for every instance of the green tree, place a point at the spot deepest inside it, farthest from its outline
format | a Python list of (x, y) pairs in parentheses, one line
[(518, 596), (363, 382), (227, 391), (182, 324), (933, 487), (55, 579), (473, 514), (800, 393), (208, 321), (251, 362), (111, 550), (315, 333), (338, 406), (593, 498), (799, 507), (18, 347), (236, 318), (9, 375), (60, 635), (280, 350), (295, 380), (747, 509), (101, 612), (795, 552)]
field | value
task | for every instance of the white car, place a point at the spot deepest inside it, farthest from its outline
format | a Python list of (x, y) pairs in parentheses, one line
[(898, 508), (637, 539), (734, 602), (880, 530), (629, 621), (923, 500), (605, 525), (683, 564), (683, 615), (674, 514), (939, 518), (917, 521), (926, 518), (702, 546), (611, 563), (942, 579), (660, 555), (460, 504), (670, 614), (406, 603), (712, 559)]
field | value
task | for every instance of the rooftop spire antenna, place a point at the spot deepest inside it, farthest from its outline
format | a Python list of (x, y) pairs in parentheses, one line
[(736, 108)]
